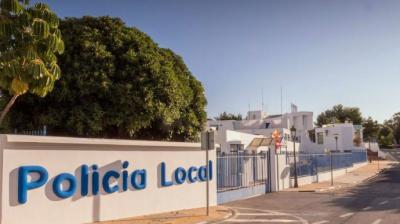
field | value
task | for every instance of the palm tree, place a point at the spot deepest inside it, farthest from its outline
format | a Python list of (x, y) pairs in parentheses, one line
[(29, 42)]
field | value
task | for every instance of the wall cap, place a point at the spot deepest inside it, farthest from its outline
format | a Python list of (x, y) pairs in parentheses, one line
[(95, 141)]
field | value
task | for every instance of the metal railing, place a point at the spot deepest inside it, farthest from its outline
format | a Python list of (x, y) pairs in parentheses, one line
[(40, 132), (312, 164), (236, 171)]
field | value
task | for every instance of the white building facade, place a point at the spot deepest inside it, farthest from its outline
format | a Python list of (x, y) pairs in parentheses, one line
[(336, 137), (241, 135)]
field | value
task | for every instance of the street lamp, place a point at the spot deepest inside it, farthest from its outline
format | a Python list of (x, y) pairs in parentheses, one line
[(369, 139), (336, 138), (369, 147), (327, 151), (293, 133)]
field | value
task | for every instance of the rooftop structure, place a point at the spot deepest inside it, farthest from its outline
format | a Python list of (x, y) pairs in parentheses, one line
[(237, 135)]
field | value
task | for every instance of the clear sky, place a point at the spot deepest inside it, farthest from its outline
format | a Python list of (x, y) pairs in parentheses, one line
[(321, 52)]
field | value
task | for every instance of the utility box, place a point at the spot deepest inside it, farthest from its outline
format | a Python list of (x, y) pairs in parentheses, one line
[(207, 140)]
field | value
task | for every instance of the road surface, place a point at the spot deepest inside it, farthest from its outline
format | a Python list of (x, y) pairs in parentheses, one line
[(376, 201)]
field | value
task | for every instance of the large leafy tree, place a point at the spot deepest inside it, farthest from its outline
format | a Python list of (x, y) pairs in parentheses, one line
[(29, 42), (394, 124), (340, 114), (385, 136), (371, 129), (116, 83)]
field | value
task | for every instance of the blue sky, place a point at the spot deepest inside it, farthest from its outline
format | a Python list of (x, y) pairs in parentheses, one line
[(321, 52)]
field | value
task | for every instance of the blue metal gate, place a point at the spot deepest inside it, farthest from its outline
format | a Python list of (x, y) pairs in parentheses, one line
[(242, 175)]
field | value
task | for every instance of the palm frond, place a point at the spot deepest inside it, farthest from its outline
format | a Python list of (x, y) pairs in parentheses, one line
[(29, 40), (6, 27), (40, 28), (11, 5)]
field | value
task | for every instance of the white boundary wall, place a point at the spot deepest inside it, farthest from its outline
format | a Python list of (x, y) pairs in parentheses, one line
[(60, 154)]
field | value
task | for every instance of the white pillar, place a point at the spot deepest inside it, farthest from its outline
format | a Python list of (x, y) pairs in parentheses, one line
[(280, 172)]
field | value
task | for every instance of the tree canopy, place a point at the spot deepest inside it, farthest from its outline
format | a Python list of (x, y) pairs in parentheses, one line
[(116, 83), (340, 114), (385, 136), (228, 116), (371, 129), (394, 124), (29, 42)]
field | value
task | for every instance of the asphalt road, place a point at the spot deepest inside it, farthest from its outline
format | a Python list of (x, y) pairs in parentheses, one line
[(376, 201)]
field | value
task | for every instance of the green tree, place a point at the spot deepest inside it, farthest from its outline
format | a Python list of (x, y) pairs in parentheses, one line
[(340, 114), (29, 42), (394, 124), (371, 129), (116, 83), (228, 116), (385, 136)]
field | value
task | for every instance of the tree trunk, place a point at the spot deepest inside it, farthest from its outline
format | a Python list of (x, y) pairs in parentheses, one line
[(7, 108)]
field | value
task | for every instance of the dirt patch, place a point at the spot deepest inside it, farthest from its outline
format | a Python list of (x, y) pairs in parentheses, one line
[(177, 217)]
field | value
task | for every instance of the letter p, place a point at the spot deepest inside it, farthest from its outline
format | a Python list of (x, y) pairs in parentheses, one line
[(24, 185)]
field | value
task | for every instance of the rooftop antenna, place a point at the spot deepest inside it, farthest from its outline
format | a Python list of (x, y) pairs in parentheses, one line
[(248, 114), (282, 107), (281, 101), (262, 99)]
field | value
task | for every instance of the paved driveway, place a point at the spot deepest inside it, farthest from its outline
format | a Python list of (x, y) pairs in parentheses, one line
[(374, 202)]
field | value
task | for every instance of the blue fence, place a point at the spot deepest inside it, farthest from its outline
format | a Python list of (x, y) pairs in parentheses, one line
[(236, 171), (359, 156), (311, 164)]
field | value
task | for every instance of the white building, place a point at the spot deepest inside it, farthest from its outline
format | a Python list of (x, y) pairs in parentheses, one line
[(243, 135), (232, 135), (340, 137)]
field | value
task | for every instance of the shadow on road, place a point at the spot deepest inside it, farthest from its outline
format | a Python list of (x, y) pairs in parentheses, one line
[(381, 193)]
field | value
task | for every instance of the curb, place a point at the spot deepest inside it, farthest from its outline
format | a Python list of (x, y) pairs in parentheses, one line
[(355, 184), (373, 176), (342, 187), (228, 216), (305, 191)]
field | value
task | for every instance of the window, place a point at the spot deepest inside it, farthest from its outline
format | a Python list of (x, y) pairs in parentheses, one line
[(266, 125), (320, 138), (311, 135)]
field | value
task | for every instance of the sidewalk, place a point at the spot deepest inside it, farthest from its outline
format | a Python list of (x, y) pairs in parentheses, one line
[(350, 179), (190, 216)]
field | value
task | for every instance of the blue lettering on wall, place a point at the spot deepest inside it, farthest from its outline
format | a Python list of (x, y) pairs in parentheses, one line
[(106, 181), (58, 182), (180, 175), (125, 176), (164, 181), (84, 180), (141, 184), (65, 185), (192, 178), (95, 180), (24, 185), (193, 174)]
